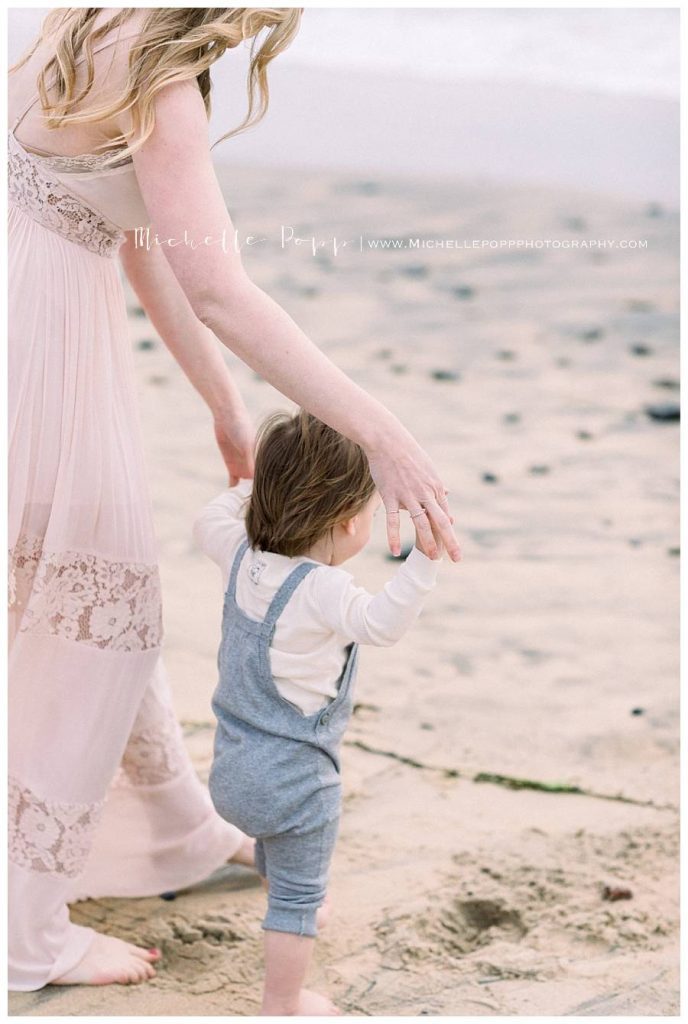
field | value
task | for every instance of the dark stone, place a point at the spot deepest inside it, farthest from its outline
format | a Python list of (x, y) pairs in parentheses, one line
[(641, 350), (584, 435), (463, 291), (540, 470), (157, 381), (146, 345), (427, 726), (490, 478), (506, 354), (168, 896), (653, 210), (666, 412), (444, 375), (674, 552), (668, 383), (512, 417), (616, 892), (591, 334), (406, 550), (416, 270), (137, 311), (637, 711), (367, 188)]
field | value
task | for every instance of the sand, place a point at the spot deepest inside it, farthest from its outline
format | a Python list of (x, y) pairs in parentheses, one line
[(549, 654)]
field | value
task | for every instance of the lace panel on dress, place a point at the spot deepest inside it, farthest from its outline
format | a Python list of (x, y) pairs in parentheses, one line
[(46, 200), (111, 605), (155, 750), (52, 838)]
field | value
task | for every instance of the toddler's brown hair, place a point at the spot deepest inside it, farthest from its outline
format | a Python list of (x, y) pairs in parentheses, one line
[(308, 477)]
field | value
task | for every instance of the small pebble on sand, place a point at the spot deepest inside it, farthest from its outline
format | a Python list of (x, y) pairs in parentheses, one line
[(146, 345), (665, 412), (415, 270), (444, 375), (406, 550), (616, 892)]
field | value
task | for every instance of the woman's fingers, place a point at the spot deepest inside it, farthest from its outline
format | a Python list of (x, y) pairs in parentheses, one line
[(393, 538), (444, 505), (442, 523), (424, 535)]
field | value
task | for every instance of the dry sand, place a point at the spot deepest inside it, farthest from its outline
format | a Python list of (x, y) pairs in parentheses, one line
[(549, 654)]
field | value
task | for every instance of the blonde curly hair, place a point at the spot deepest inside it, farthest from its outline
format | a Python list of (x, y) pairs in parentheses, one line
[(175, 44)]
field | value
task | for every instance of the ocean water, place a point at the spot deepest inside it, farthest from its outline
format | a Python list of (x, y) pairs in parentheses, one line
[(629, 51), (626, 51)]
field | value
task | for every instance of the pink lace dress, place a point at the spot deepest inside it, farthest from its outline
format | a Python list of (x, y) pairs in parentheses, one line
[(104, 800)]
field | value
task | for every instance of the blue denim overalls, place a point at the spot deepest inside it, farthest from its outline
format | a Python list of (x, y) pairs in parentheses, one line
[(276, 771)]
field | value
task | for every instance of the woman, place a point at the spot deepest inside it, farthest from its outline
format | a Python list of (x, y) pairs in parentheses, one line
[(103, 797)]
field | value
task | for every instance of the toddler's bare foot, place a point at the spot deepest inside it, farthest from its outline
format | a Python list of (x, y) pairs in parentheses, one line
[(245, 854), (111, 961), (310, 1004)]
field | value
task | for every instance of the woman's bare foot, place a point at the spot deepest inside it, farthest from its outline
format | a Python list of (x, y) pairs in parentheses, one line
[(111, 961), (245, 854)]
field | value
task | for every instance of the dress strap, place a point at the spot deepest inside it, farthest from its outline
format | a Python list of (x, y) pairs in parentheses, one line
[(80, 60), (284, 593)]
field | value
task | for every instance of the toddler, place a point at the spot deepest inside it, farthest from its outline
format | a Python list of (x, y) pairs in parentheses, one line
[(292, 623)]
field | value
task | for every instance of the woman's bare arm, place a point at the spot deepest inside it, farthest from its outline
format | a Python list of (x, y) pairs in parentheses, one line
[(183, 197), (195, 348)]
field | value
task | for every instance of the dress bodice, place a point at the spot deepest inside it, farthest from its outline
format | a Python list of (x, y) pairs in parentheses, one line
[(112, 192)]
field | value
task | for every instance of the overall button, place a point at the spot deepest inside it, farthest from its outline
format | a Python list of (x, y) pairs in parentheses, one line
[(324, 719)]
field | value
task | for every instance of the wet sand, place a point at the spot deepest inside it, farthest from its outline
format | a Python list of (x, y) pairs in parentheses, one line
[(462, 884)]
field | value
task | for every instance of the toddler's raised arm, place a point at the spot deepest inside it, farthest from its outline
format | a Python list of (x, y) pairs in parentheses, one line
[(377, 619), (219, 529)]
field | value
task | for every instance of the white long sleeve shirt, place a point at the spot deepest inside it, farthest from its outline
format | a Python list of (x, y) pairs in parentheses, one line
[(326, 612)]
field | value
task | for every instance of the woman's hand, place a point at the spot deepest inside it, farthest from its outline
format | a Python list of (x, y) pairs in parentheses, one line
[(236, 440), (406, 479)]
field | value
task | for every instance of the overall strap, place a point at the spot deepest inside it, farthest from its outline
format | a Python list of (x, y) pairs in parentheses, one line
[(96, 49), (284, 593), (231, 586)]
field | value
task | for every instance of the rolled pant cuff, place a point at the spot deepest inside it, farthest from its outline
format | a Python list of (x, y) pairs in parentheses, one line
[(297, 921)]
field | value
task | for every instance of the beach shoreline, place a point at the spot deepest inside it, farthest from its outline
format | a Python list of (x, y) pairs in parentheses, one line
[(518, 750)]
